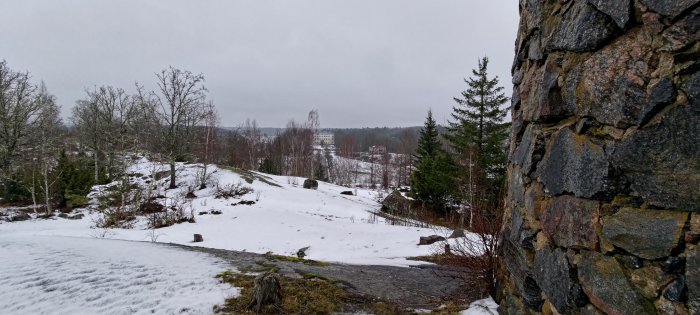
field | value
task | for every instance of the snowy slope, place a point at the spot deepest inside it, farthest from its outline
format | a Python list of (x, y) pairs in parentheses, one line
[(63, 275), (337, 228)]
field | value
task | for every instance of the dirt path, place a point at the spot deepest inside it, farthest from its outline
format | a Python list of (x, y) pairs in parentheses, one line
[(423, 287)]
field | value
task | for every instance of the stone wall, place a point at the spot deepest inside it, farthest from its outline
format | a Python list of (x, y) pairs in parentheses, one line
[(604, 169)]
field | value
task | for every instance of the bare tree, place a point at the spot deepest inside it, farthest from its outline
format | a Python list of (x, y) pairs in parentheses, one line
[(211, 121), (105, 120), (252, 137), (47, 138), (18, 111), (178, 107)]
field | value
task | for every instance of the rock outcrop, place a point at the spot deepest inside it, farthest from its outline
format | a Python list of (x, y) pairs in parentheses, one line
[(604, 164)]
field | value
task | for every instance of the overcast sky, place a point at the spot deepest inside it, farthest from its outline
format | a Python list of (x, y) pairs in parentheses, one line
[(361, 63)]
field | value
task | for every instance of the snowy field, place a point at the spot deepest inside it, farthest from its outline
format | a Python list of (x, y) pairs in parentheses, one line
[(285, 218), (64, 275)]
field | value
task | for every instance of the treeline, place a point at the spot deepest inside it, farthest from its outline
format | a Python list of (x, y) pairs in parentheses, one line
[(50, 163)]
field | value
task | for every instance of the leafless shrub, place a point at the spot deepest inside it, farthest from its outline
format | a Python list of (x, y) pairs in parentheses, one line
[(475, 256), (231, 191)]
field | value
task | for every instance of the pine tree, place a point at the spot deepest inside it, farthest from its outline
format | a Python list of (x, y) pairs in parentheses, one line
[(478, 124), (433, 181)]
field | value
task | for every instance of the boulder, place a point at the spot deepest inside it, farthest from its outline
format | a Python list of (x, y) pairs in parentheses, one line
[(573, 164), (396, 203), (571, 222), (427, 240), (75, 216), (19, 217), (310, 184), (607, 287), (347, 193), (198, 238), (649, 234)]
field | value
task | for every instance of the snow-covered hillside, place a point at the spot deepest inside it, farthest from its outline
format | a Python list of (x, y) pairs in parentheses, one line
[(284, 218)]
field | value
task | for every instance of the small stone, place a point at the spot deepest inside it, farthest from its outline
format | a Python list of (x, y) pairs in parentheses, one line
[(692, 279), (661, 94), (672, 264), (649, 234), (649, 281), (667, 307), (198, 238), (606, 285), (676, 291), (347, 193)]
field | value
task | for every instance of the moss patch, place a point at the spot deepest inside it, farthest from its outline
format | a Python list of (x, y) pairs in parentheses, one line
[(299, 296), (309, 262)]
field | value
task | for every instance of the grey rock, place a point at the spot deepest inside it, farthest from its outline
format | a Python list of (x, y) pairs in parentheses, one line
[(457, 234), (649, 281), (607, 287), (692, 279), (427, 240), (347, 193), (662, 161), (553, 274), (20, 217), (75, 216), (676, 291), (670, 8), (573, 164), (571, 222), (541, 96), (661, 94), (672, 264), (310, 184), (649, 234), (396, 203), (518, 265), (683, 32), (582, 28), (198, 238), (620, 11), (529, 151), (610, 86)]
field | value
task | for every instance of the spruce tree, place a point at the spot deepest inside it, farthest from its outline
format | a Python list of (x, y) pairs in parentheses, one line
[(433, 181), (478, 124)]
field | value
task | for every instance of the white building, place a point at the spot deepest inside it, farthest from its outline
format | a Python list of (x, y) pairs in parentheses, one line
[(324, 138)]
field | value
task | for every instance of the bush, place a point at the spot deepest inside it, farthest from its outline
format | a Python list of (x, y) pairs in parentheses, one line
[(76, 201), (13, 191), (231, 191)]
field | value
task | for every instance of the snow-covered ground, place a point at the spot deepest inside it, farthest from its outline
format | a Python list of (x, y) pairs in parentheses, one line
[(66, 275), (337, 228), (486, 306)]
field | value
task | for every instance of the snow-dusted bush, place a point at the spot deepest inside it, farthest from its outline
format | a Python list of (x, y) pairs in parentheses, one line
[(231, 191)]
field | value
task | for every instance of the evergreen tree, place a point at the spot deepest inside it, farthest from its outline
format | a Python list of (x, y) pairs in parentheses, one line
[(433, 181), (478, 125)]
